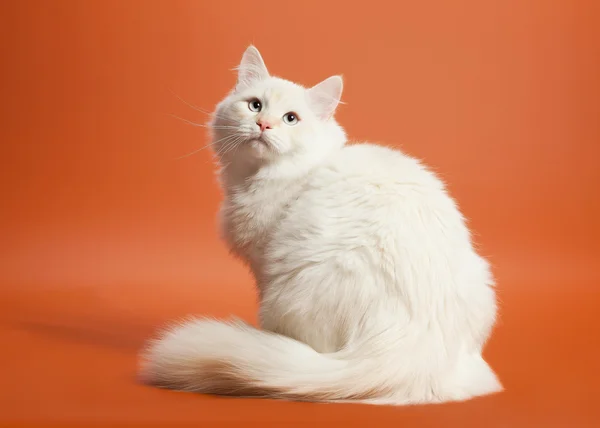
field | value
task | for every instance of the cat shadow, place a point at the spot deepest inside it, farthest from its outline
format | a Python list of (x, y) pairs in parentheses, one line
[(121, 337)]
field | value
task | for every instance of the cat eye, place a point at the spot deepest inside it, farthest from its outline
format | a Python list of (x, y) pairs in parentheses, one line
[(255, 105), (290, 118)]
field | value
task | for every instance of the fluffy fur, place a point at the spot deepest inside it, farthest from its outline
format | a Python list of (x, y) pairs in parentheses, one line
[(370, 288)]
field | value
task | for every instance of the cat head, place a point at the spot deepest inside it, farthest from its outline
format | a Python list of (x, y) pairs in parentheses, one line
[(266, 119)]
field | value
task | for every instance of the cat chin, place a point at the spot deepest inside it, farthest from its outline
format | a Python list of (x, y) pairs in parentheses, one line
[(261, 149)]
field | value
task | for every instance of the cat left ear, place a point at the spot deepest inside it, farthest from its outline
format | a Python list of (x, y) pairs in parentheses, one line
[(325, 96), (252, 68)]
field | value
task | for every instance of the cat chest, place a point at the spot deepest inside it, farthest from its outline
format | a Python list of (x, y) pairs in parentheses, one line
[(252, 215), (248, 222)]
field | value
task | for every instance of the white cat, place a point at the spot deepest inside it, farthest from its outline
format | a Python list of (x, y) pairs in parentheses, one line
[(370, 289)]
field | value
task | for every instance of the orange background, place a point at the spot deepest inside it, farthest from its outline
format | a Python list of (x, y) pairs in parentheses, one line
[(104, 236)]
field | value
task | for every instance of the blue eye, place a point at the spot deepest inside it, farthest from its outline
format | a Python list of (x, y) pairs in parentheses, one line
[(290, 118), (255, 105)]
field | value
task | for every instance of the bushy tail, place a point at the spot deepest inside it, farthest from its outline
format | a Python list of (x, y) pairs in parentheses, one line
[(236, 359)]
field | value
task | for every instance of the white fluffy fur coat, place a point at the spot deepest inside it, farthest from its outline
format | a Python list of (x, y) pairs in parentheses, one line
[(370, 288)]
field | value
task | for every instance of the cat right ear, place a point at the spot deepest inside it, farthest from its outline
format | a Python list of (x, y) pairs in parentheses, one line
[(252, 69), (325, 96)]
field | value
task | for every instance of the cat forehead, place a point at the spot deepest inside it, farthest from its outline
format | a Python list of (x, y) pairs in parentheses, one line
[(276, 90)]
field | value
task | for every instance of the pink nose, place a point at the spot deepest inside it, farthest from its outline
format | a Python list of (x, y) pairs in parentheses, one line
[(262, 124)]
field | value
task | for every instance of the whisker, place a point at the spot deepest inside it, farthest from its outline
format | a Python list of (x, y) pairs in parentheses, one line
[(189, 122), (193, 152), (231, 145), (195, 107), (277, 142), (203, 125), (228, 146), (209, 145), (190, 104), (237, 146)]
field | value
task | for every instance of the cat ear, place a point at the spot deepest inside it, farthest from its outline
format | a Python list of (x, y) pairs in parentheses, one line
[(251, 69), (325, 96)]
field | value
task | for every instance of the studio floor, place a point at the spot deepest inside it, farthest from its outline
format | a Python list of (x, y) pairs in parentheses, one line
[(70, 356)]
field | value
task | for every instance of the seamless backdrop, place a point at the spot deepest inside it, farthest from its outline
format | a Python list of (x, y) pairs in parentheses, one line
[(105, 235)]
